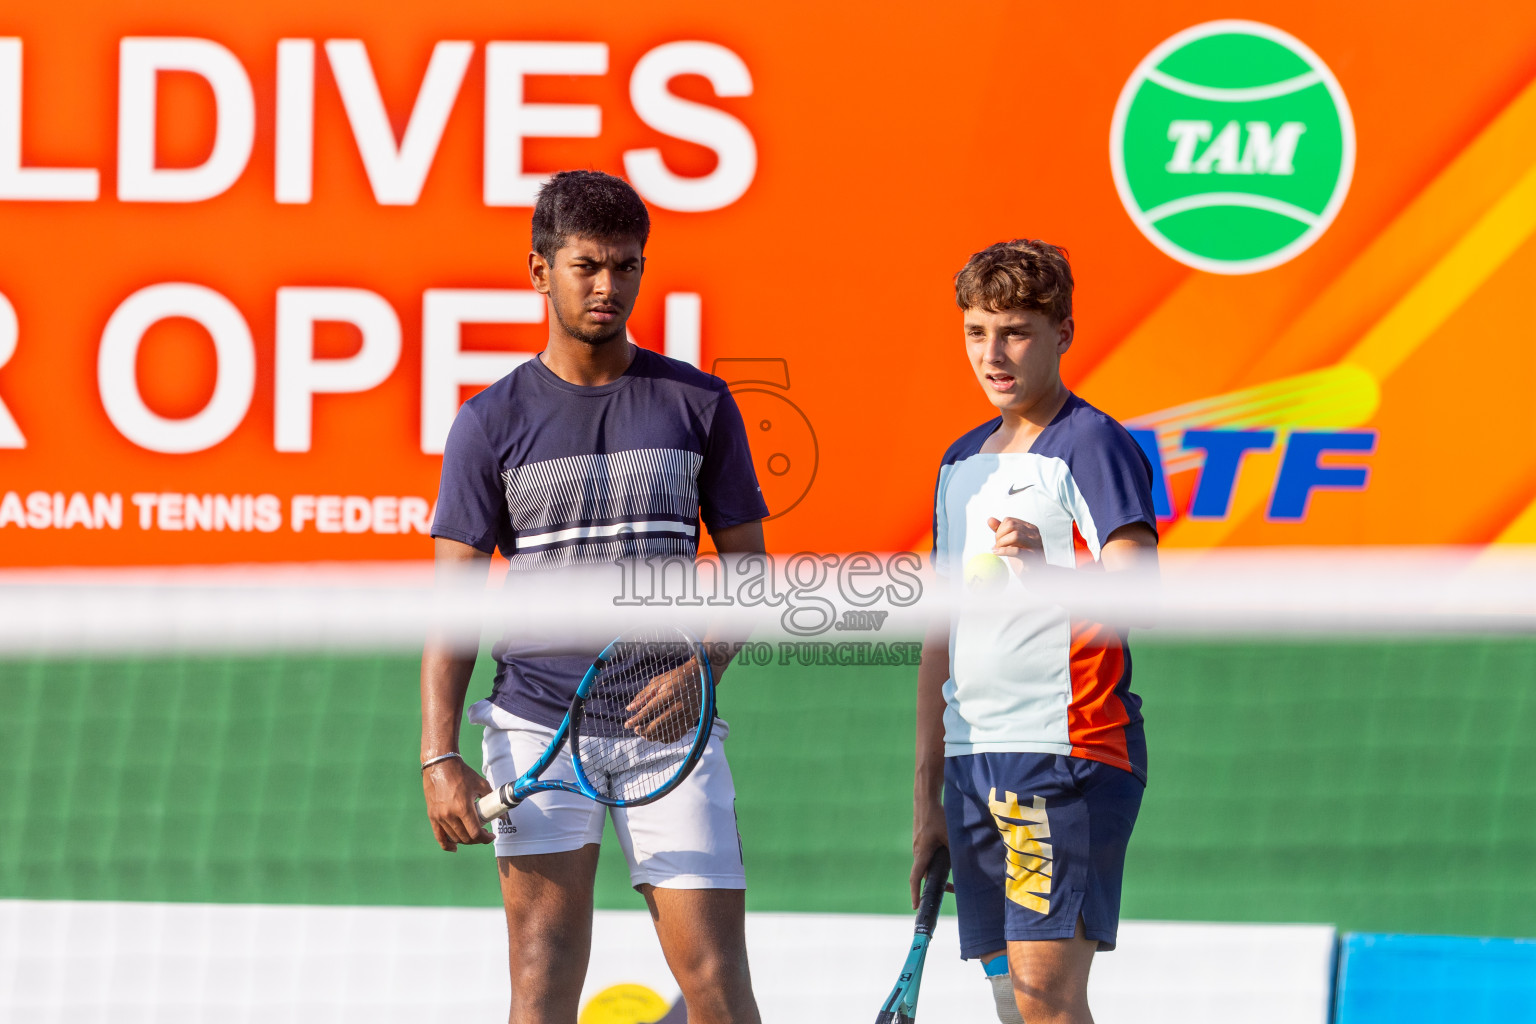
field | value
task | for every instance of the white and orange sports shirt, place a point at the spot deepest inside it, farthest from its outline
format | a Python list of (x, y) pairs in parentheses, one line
[(1029, 677)]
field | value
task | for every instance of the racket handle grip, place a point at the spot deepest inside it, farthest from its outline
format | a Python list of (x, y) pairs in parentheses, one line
[(496, 803), (933, 891)]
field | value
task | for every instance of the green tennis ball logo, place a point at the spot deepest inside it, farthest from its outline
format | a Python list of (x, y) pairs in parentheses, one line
[(1232, 147)]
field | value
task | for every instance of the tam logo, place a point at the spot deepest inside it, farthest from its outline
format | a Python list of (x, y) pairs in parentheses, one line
[(1267, 151), (1249, 103)]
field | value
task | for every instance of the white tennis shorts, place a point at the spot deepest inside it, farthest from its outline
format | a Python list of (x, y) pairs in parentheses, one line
[(685, 840)]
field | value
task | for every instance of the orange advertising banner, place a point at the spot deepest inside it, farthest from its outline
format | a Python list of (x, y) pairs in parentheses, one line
[(254, 256)]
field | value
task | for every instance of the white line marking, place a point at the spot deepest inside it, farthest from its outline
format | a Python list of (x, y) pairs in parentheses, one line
[(1208, 199), (1250, 94)]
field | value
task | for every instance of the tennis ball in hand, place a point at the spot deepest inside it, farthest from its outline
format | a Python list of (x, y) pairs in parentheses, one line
[(986, 571)]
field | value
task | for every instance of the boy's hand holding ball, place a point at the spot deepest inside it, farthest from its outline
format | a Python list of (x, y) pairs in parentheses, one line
[(1017, 547), (1018, 543)]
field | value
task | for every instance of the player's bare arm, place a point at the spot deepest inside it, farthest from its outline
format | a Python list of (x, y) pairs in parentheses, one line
[(928, 829), (451, 786), (1130, 553), (741, 539), (1131, 548)]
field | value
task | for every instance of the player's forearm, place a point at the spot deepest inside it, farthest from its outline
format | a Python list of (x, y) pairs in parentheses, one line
[(1123, 598), (928, 781), (722, 641), (721, 644), (1125, 594), (448, 662), (445, 675)]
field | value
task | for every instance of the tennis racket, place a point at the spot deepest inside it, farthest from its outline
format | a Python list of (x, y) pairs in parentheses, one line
[(900, 1006), (637, 725)]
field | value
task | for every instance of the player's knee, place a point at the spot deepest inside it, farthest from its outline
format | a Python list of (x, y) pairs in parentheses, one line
[(716, 972), (713, 976), (1047, 993), (539, 946)]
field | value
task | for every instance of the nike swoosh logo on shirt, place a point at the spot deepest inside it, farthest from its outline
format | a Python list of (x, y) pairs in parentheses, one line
[(1016, 490)]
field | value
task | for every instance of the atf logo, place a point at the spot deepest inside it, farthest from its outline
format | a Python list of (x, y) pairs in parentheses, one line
[(1232, 147)]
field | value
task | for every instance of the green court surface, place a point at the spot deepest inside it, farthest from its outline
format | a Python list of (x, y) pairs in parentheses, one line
[(1380, 785)]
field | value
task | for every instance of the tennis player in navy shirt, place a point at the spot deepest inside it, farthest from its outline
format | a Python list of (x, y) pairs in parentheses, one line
[(1031, 757), (592, 452)]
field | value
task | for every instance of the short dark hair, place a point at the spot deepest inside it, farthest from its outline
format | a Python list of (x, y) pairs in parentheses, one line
[(1024, 273), (587, 204)]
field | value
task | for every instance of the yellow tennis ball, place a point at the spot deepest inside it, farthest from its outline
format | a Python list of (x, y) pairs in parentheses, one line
[(624, 1004), (986, 571)]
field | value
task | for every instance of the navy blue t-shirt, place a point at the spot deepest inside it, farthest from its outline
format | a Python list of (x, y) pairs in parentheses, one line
[(557, 474)]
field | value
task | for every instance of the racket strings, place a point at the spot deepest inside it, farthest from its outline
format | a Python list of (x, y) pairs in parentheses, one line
[(640, 716)]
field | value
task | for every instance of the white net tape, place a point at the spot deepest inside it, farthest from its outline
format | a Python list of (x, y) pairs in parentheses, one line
[(397, 606)]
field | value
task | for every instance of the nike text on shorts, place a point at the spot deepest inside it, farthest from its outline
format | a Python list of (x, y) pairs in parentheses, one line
[(1037, 840)]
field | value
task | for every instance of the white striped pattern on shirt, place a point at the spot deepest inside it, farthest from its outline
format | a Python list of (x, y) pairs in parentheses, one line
[(596, 508)]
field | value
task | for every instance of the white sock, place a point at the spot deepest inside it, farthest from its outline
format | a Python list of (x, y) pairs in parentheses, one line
[(1002, 994)]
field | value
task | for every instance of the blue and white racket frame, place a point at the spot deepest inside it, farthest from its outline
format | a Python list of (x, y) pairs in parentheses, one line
[(508, 795), (900, 1007)]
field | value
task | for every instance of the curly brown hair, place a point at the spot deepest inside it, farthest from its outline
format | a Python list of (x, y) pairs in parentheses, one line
[(1024, 273)]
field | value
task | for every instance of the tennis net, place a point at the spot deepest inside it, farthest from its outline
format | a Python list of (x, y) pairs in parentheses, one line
[(1335, 738)]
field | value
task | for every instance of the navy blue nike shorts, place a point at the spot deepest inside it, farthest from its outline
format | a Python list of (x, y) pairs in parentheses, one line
[(1037, 840)]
